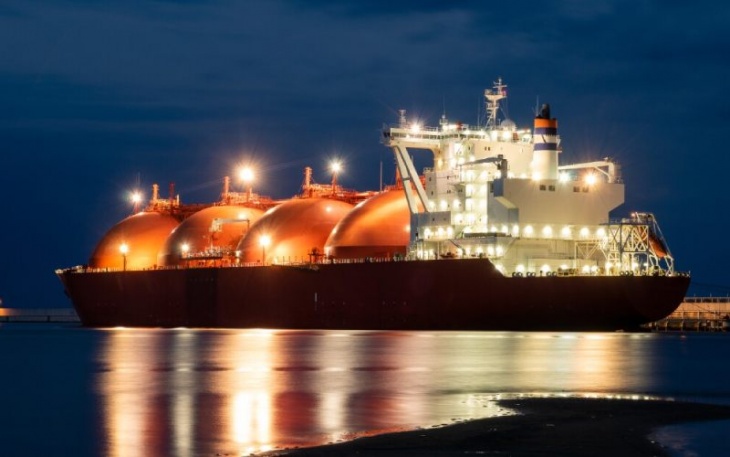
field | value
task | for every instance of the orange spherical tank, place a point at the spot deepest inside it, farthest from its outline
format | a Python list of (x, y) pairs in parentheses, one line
[(134, 242), (290, 231), (377, 227), (198, 234)]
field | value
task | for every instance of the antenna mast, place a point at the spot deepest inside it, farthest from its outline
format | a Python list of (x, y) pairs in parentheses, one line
[(493, 97)]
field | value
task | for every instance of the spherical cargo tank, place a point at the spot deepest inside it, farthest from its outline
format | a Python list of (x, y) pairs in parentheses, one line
[(134, 242), (291, 231), (377, 227), (210, 230)]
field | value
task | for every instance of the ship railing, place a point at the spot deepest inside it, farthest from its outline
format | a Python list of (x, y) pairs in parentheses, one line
[(360, 260), (698, 308), (438, 135), (699, 315), (707, 300), (671, 323), (344, 261), (461, 131), (576, 272), (330, 260)]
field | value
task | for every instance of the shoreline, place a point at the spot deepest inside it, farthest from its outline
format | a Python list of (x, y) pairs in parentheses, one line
[(542, 426)]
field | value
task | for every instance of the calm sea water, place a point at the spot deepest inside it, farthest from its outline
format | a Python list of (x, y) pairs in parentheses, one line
[(72, 391)]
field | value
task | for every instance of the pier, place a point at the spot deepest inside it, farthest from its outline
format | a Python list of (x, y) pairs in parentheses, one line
[(37, 315), (697, 314)]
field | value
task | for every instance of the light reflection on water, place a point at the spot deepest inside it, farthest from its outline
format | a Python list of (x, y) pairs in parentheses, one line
[(187, 392)]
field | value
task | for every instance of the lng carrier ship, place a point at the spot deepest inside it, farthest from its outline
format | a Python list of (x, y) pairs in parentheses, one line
[(496, 235)]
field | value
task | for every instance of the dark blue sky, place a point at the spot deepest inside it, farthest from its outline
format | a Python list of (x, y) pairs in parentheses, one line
[(95, 94)]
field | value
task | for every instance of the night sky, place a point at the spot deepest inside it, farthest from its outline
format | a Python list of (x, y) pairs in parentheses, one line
[(95, 96)]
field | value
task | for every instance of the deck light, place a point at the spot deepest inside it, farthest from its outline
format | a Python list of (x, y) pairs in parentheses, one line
[(335, 168), (124, 249), (264, 241), (247, 176), (136, 198)]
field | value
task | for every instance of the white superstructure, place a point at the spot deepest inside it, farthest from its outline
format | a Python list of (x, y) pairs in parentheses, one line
[(498, 191)]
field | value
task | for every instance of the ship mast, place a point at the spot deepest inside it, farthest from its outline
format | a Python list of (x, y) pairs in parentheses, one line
[(493, 97)]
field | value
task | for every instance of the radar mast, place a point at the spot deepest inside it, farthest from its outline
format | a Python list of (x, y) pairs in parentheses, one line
[(493, 97)]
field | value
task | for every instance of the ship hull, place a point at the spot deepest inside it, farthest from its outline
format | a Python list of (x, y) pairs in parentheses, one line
[(407, 295)]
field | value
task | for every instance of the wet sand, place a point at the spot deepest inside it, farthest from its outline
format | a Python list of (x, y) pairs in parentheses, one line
[(544, 427)]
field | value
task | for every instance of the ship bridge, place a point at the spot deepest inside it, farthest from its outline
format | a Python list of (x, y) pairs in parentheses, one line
[(464, 156), (460, 152), (500, 192)]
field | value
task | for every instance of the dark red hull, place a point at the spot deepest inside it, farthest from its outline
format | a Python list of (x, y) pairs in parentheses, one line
[(414, 295)]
